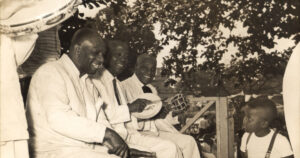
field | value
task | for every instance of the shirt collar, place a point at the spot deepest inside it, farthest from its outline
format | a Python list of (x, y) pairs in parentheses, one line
[(108, 75), (136, 80), (70, 65)]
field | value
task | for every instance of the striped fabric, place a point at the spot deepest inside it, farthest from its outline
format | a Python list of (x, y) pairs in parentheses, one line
[(47, 49)]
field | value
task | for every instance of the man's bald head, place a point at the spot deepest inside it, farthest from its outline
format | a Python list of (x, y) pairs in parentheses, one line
[(86, 34), (145, 58), (87, 50)]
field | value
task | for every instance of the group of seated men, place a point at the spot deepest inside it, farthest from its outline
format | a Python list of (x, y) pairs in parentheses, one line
[(76, 106)]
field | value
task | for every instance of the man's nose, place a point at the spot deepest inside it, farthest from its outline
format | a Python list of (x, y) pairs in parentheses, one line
[(100, 58)]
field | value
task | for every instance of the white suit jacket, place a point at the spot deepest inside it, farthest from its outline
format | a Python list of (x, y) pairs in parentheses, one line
[(63, 109), (116, 114), (132, 88)]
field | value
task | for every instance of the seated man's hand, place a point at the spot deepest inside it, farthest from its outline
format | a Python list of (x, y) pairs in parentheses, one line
[(116, 145), (182, 119), (138, 105), (162, 114), (134, 153)]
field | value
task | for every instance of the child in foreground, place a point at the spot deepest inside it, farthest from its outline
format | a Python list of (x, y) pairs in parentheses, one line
[(259, 140)]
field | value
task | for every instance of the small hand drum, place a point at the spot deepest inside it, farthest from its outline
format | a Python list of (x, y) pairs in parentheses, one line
[(151, 109), (39, 16), (179, 103)]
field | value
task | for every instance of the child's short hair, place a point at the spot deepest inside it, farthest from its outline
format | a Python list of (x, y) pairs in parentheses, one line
[(266, 104)]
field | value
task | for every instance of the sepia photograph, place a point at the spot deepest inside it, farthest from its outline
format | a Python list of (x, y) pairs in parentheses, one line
[(149, 79)]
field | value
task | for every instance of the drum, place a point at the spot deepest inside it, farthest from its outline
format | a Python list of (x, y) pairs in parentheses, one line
[(151, 109), (39, 16)]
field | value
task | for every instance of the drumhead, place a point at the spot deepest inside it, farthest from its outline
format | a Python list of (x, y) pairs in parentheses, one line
[(151, 109)]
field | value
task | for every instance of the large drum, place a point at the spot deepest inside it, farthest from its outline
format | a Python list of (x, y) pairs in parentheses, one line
[(39, 16)]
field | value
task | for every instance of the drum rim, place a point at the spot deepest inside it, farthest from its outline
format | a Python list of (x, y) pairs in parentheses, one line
[(39, 18)]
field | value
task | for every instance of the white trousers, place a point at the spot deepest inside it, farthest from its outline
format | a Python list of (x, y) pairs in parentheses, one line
[(186, 143), (14, 149), (77, 152), (162, 147)]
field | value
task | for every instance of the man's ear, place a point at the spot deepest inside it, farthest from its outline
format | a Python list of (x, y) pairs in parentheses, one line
[(77, 50)]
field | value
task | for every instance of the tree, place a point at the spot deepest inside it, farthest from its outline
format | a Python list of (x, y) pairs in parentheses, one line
[(201, 23), (198, 24)]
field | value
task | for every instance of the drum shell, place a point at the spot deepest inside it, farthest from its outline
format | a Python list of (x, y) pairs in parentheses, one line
[(29, 24)]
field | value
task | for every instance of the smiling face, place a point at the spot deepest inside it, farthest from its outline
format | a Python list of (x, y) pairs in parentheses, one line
[(92, 59), (145, 71), (87, 50), (117, 58)]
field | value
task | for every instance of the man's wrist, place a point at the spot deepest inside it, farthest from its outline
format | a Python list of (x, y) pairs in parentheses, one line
[(107, 134)]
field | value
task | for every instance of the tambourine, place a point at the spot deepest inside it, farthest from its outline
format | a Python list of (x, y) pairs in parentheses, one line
[(151, 109), (42, 15), (178, 103)]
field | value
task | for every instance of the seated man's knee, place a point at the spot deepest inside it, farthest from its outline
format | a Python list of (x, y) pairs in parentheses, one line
[(189, 140), (170, 146)]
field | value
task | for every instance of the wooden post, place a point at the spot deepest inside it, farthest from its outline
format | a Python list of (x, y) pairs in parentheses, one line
[(225, 137), (196, 117), (224, 123)]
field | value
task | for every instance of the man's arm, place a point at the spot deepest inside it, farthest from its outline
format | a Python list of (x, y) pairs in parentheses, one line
[(52, 93), (120, 114)]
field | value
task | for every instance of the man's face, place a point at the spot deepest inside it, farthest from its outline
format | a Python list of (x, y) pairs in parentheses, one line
[(146, 71), (118, 60), (253, 120), (91, 58)]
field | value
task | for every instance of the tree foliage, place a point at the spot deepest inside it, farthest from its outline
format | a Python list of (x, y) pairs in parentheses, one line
[(202, 23), (204, 29)]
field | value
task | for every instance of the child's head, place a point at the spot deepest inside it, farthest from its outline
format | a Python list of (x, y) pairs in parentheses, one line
[(259, 114)]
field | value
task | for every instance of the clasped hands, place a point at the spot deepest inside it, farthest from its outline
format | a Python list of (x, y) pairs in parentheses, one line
[(116, 145), (138, 105)]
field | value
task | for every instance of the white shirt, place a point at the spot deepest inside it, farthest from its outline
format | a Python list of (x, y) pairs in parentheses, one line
[(63, 108), (116, 114), (132, 87), (257, 146)]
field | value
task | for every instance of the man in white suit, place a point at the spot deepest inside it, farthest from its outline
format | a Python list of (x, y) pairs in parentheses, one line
[(118, 110), (64, 108), (139, 83)]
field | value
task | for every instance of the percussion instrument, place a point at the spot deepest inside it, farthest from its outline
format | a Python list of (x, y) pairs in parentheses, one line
[(178, 103), (39, 16), (151, 109)]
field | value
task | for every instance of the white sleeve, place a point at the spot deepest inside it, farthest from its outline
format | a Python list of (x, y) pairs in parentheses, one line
[(121, 114), (172, 120), (52, 92), (244, 141), (283, 146)]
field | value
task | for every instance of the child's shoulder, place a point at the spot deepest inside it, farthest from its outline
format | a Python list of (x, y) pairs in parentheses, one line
[(246, 135), (281, 138), (282, 145)]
